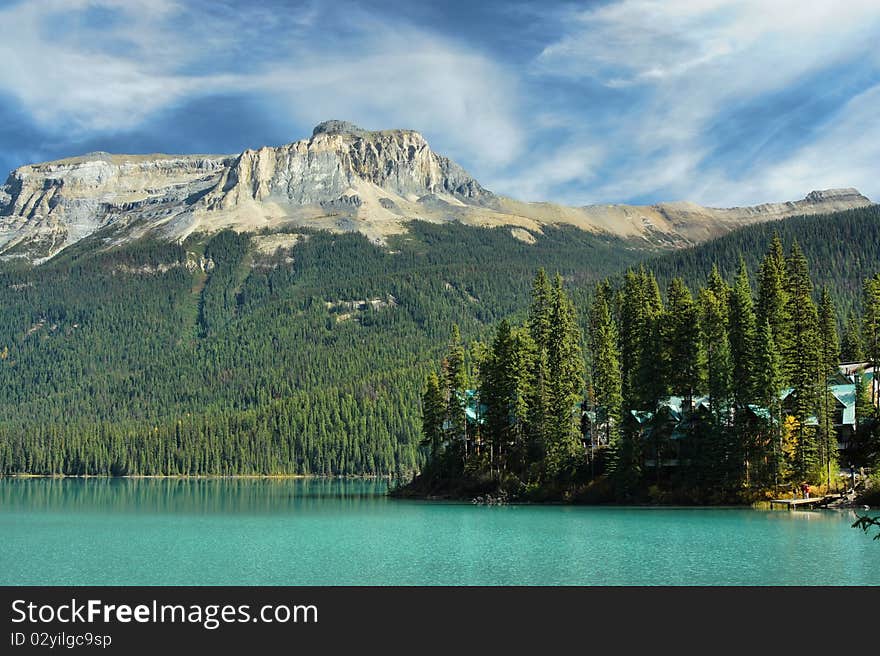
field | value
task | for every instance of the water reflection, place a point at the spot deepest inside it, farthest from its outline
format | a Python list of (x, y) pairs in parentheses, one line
[(188, 495)]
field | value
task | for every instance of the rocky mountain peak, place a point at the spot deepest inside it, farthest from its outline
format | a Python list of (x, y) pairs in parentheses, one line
[(841, 194), (342, 178), (338, 127)]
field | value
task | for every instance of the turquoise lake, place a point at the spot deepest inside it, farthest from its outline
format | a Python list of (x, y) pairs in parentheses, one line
[(346, 532)]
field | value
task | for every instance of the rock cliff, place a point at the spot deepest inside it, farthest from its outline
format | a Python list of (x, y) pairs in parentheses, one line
[(341, 178)]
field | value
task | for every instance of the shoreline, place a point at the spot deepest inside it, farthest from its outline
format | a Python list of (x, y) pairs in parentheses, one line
[(429, 498), (757, 505)]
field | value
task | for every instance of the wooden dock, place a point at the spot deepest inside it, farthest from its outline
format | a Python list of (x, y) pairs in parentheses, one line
[(811, 502)]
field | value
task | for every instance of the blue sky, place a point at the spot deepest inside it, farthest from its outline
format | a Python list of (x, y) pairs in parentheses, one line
[(639, 101)]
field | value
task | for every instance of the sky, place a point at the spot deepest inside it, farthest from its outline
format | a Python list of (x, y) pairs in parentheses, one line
[(718, 102)]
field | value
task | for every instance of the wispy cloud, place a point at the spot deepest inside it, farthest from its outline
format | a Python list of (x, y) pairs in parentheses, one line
[(688, 66), (564, 172), (68, 81), (845, 153), (125, 61), (718, 101)]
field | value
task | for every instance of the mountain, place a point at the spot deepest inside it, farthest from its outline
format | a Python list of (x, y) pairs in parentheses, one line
[(224, 356), (341, 179), (152, 340)]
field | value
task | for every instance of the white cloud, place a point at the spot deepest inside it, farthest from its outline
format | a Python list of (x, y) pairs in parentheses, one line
[(766, 44), (66, 81), (687, 62), (462, 98), (549, 177), (81, 78), (845, 154), (682, 64)]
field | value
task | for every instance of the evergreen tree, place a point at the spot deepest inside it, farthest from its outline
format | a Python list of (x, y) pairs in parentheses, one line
[(505, 380), (768, 383), (642, 381), (523, 371), (433, 416), (718, 453), (539, 323), (829, 352), (713, 302), (495, 390), (565, 368), (773, 294), (605, 367), (540, 309), (640, 310), (743, 345), (851, 348), (871, 327), (632, 327), (684, 360), (455, 388), (865, 410), (829, 343), (650, 373), (802, 361)]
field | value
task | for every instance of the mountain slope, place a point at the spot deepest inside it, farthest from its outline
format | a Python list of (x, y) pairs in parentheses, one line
[(225, 358), (843, 250), (342, 179), (237, 357)]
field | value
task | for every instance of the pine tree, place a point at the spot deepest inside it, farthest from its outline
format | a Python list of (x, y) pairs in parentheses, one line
[(637, 335), (455, 388), (504, 388), (773, 295), (684, 363), (871, 327), (495, 392), (768, 383), (433, 415), (851, 348), (743, 345), (829, 353), (523, 370), (605, 367), (540, 308), (650, 373), (802, 360), (539, 323), (565, 383), (829, 343), (640, 312), (719, 454), (865, 410), (632, 327), (713, 303)]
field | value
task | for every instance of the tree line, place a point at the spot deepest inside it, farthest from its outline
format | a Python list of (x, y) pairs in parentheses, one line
[(125, 360), (717, 395), (508, 409)]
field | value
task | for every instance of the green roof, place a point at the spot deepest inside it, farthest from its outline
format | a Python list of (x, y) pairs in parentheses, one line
[(846, 394), (758, 411)]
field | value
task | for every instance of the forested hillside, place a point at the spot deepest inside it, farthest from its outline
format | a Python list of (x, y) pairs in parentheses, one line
[(220, 358), (842, 248), (227, 356)]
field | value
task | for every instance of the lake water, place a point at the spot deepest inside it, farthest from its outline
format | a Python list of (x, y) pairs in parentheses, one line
[(335, 532)]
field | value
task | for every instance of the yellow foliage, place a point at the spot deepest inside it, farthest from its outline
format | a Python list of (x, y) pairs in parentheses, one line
[(790, 428)]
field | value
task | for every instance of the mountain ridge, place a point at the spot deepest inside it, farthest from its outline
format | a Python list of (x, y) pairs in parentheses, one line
[(342, 178)]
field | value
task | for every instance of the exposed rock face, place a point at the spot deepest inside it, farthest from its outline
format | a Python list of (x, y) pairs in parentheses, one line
[(45, 207), (341, 178), (334, 162)]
